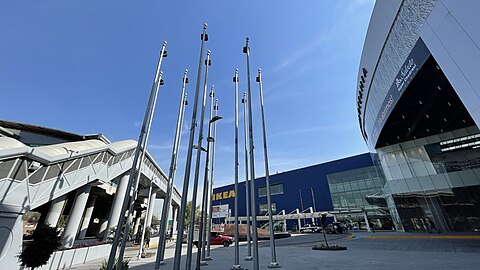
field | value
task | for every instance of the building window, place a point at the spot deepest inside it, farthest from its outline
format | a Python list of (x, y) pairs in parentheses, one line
[(264, 208), (276, 189)]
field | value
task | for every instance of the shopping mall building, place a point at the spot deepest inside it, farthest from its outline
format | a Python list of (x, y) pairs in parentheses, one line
[(418, 103)]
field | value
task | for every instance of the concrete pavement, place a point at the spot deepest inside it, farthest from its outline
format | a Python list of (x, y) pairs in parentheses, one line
[(386, 250)]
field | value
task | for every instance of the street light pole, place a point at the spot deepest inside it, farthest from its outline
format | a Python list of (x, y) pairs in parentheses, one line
[(208, 62), (186, 179), (209, 225), (236, 263), (134, 170), (256, 265), (171, 176), (273, 262), (202, 229), (247, 197)]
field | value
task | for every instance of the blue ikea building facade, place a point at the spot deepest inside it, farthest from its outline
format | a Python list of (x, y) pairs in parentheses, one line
[(296, 189)]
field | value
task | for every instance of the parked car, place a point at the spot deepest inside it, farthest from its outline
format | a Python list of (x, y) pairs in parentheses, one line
[(310, 228), (217, 238)]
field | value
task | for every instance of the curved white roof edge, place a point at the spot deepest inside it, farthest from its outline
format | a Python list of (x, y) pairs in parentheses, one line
[(9, 143), (10, 147)]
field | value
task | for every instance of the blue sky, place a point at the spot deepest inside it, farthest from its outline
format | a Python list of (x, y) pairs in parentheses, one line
[(87, 67)]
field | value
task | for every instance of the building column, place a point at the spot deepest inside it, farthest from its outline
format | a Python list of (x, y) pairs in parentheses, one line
[(367, 223), (86, 218), (151, 206), (11, 232), (137, 222), (55, 212), (117, 204), (174, 220), (75, 216)]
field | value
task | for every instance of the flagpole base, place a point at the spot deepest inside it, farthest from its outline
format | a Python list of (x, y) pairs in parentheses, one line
[(248, 258), (274, 265)]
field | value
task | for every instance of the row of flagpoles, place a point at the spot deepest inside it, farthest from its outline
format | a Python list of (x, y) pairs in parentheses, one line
[(203, 246)]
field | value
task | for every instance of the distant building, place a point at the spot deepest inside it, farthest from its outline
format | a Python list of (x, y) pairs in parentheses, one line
[(340, 187)]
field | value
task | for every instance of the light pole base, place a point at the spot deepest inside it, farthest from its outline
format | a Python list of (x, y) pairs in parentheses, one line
[(208, 258), (274, 265), (203, 263), (237, 267), (249, 258), (163, 262)]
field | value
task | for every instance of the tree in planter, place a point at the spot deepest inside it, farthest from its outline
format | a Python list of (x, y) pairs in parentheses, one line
[(323, 220), (36, 253)]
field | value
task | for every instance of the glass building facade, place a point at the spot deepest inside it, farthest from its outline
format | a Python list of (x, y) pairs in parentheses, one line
[(435, 179), (358, 192)]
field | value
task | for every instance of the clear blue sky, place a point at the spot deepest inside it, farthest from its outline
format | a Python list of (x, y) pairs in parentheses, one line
[(87, 67)]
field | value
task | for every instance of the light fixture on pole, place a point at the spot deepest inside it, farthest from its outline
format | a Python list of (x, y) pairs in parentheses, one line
[(186, 179), (247, 192), (256, 265), (203, 217), (273, 262), (197, 167), (134, 170), (236, 263), (210, 192), (171, 176)]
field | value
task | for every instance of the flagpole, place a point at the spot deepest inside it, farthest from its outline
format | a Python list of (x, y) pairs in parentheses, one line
[(273, 262), (133, 171), (171, 176), (247, 197), (209, 225), (236, 263), (197, 168), (186, 180), (256, 266)]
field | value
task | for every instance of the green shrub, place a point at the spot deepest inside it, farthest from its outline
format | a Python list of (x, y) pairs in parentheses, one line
[(125, 263), (45, 240)]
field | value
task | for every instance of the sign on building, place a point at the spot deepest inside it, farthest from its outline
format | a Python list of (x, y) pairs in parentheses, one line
[(220, 211)]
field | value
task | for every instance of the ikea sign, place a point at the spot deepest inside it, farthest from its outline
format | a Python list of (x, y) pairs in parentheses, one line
[(223, 195)]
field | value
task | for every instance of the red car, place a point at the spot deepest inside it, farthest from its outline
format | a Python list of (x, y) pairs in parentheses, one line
[(218, 239)]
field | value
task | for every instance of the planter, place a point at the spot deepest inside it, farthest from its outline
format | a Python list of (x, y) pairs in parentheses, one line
[(64, 259), (332, 248)]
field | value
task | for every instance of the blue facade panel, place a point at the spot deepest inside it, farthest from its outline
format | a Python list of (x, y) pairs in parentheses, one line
[(302, 188)]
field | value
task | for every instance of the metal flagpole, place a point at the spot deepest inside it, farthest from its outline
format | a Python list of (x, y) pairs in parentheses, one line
[(133, 172), (236, 263), (186, 180), (256, 265), (197, 168), (137, 180), (209, 224), (203, 221), (171, 176), (247, 197), (273, 263)]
